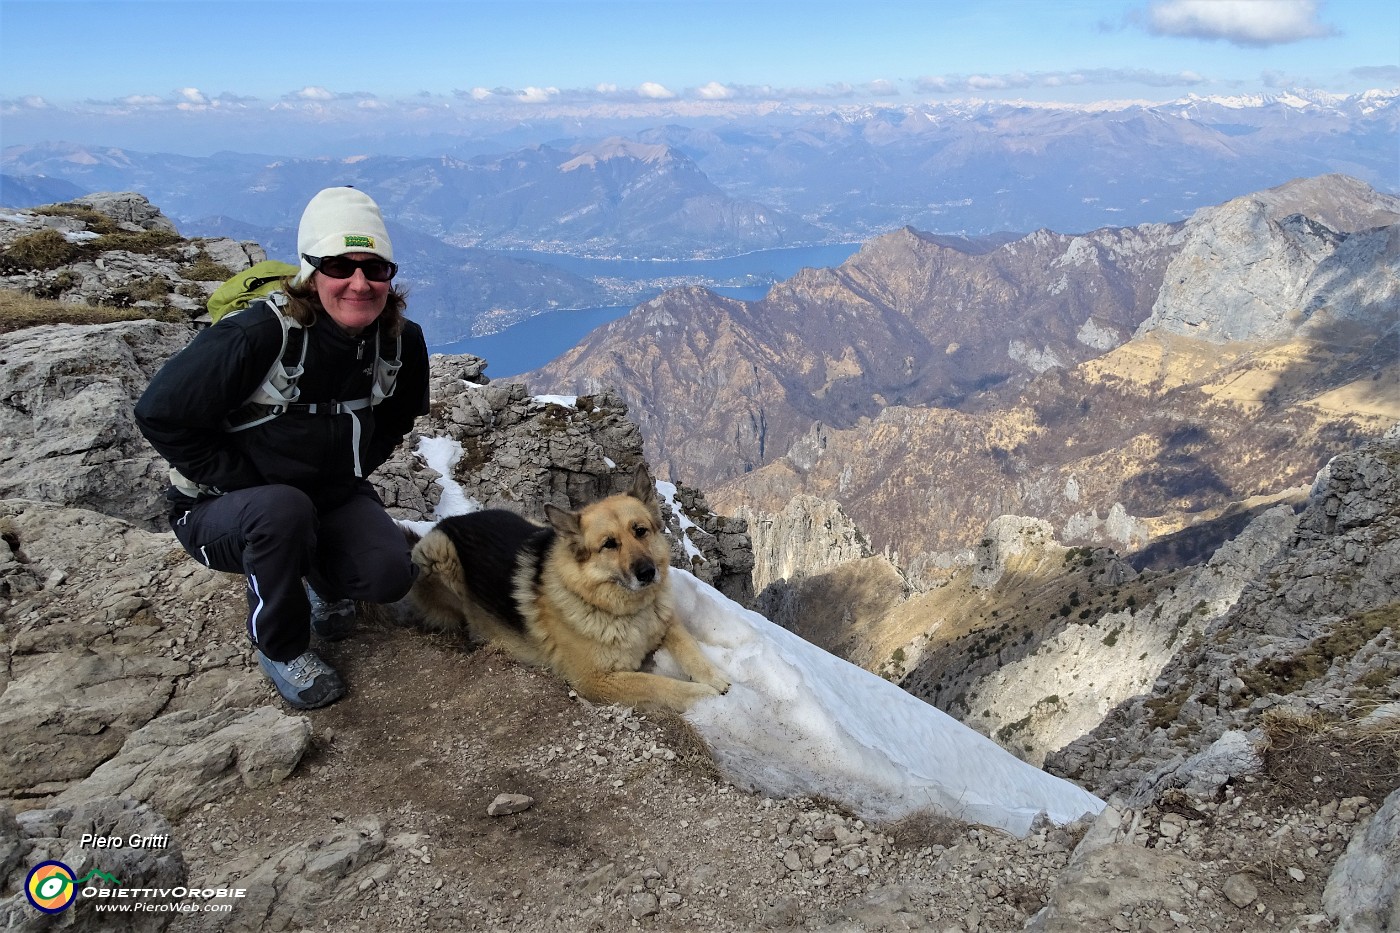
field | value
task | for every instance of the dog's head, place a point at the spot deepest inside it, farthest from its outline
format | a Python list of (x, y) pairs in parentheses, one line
[(619, 539)]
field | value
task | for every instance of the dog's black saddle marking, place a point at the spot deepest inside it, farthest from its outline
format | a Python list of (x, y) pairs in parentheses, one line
[(493, 545)]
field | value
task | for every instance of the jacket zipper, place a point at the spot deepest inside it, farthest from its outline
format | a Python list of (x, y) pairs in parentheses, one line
[(355, 426)]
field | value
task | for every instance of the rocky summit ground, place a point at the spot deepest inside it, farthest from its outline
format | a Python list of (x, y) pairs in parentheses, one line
[(631, 828), (385, 821)]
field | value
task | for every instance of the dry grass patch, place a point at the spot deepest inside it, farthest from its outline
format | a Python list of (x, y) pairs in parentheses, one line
[(93, 219), (1311, 757), (19, 311)]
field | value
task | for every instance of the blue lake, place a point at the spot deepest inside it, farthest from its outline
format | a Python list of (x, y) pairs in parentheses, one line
[(534, 342), (772, 264)]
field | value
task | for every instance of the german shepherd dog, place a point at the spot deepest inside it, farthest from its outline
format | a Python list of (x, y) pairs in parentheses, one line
[(586, 596)]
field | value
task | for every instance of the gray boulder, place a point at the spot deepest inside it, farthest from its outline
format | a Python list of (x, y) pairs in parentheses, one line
[(183, 760), (286, 889), (128, 209), (67, 433), (1363, 892)]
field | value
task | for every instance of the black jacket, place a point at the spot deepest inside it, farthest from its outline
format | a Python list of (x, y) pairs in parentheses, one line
[(183, 411)]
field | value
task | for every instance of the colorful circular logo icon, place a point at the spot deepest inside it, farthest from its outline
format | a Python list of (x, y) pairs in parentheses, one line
[(51, 887)]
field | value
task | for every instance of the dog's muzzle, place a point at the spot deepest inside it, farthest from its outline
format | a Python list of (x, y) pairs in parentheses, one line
[(644, 572)]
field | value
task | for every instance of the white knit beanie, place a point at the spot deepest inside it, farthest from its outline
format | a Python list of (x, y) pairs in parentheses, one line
[(339, 221)]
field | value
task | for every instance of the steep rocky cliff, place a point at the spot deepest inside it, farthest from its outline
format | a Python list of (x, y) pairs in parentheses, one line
[(1311, 634)]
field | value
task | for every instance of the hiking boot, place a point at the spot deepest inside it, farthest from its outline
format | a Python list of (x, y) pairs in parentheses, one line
[(331, 619), (306, 682)]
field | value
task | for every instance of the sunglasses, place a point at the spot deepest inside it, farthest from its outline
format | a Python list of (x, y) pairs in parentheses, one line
[(340, 267)]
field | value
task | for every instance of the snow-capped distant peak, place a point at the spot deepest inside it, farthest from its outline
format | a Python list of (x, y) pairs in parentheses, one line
[(1298, 98)]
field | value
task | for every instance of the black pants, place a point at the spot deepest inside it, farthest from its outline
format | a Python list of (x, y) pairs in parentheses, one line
[(275, 536)]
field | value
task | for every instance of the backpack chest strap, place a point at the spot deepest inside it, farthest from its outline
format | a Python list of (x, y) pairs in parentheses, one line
[(328, 408)]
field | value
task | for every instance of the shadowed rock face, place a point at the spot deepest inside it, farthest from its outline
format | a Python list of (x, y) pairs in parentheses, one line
[(1307, 633)]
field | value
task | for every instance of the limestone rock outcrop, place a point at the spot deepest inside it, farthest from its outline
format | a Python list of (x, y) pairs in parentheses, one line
[(120, 251), (808, 535), (1246, 273), (510, 449), (58, 834), (1090, 668)]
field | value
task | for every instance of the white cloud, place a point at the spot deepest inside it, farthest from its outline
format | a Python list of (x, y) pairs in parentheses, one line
[(653, 91), (30, 102), (481, 93), (192, 95), (1379, 73), (537, 95), (997, 82), (312, 93), (1242, 22), (881, 88), (955, 84), (836, 91), (714, 91), (141, 100)]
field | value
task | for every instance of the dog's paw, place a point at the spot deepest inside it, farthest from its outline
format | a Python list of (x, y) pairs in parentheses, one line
[(720, 684)]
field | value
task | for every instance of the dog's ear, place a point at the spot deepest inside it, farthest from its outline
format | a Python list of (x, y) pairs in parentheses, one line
[(642, 487), (564, 522), (569, 528)]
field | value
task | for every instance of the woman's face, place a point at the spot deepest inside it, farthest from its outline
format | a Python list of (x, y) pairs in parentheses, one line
[(353, 303)]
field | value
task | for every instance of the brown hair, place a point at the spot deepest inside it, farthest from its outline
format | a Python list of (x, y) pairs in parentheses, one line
[(304, 306)]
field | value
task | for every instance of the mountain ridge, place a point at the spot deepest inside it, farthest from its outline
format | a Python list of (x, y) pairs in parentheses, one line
[(739, 394)]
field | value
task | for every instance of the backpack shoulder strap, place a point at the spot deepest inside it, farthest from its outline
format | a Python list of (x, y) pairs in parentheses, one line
[(279, 389), (386, 368)]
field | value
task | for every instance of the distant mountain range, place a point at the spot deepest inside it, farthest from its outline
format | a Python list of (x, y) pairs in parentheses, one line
[(725, 188), (1120, 384), (745, 184), (613, 197)]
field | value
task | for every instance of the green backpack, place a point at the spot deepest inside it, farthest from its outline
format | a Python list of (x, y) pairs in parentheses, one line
[(248, 286)]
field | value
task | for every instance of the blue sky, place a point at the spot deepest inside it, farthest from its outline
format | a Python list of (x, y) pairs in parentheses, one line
[(122, 72)]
